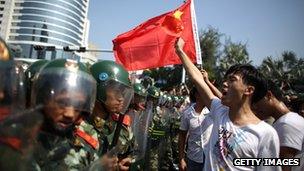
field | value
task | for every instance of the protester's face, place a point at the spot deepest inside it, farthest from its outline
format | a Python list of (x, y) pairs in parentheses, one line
[(114, 100), (62, 110), (233, 90)]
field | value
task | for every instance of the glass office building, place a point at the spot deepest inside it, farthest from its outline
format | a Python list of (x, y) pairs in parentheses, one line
[(57, 23)]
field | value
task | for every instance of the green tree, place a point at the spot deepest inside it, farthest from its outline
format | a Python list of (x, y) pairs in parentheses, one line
[(165, 77), (210, 46), (287, 71), (233, 53)]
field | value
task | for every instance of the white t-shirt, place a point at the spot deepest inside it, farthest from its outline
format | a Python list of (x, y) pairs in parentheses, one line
[(198, 127), (290, 128), (229, 141)]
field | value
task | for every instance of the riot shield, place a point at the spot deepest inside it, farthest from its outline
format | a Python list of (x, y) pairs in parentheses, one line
[(141, 125), (141, 128)]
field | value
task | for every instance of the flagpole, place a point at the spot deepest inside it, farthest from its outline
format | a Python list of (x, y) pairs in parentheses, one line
[(183, 75), (195, 35)]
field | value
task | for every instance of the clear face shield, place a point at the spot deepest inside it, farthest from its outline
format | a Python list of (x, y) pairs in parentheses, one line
[(63, 88), (7, 79), (139, 101), (152, 100), (12, 90), (163, 100), (117, 96), (19, 86)]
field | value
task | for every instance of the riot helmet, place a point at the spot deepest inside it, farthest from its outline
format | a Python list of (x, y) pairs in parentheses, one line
[(30, 72), (140, 95), (163, 99), (153, 94), (6, 75), (114, 88), (66, 83), (11, 83)]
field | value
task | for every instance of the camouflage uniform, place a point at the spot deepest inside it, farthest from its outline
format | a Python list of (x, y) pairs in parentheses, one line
[(106, 129), (17, 133), (175, 123), (17, 128), (165, 152), (66, 93), (157, 141), (75, 151)]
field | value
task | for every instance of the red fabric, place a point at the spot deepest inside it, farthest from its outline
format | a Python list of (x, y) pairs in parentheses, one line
[(89, 139), (151, 44), (4, 112), (126, 120), (12, 142)]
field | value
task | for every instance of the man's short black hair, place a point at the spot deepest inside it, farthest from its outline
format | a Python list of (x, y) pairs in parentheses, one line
[(275, 90), (250, 76)]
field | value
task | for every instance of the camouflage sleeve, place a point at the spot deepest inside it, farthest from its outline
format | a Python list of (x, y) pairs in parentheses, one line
[(85, 146)]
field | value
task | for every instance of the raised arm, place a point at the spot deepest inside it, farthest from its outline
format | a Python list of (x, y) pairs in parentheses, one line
[(214, 90), (194, 74)]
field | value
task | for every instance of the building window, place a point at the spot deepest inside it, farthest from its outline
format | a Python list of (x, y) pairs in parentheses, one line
[(1, 15), (2, 2), (1, 9)]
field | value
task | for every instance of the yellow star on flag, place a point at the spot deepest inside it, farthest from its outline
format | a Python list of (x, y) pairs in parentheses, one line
[(177, 14)]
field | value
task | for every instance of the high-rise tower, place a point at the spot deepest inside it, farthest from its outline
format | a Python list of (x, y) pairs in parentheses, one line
[(26, 23)]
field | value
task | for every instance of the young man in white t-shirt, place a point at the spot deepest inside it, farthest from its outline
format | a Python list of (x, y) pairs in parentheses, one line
[(195, 125), (289, 125), (237, 132)]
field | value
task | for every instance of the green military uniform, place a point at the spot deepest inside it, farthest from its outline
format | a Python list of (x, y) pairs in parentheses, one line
[(175, 124), (75, 151), (17, 127), (17, 133), (139, 125), (64, 85), (106, 128), (113, 86), (157, 131)]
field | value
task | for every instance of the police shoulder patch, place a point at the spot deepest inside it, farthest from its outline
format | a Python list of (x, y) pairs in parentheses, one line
[(88, 138)]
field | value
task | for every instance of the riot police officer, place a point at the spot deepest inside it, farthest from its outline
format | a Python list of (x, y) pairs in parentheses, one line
[(30, 73), (17, 128), (65, 92), (114, 94), (140, 123)]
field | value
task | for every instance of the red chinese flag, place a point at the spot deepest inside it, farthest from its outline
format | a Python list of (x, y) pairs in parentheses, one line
[(151, 44)]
